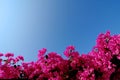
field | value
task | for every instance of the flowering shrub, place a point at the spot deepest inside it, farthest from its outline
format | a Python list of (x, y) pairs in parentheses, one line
[(101, 63)]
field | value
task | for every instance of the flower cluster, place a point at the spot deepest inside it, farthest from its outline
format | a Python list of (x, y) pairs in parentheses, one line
[(101, 63)]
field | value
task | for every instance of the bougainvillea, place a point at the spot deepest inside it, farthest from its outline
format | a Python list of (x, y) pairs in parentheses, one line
[(101, 63)]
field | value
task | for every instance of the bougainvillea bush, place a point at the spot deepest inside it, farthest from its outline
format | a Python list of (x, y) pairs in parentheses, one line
[(101, 63)]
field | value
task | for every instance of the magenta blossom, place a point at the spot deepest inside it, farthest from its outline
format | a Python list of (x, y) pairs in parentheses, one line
[(9, 54), (41, 52)]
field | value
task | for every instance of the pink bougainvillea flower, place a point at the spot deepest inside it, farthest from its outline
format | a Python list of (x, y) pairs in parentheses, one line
[(9, 54), (41, 52), (69, 50), (1, 54), (70, 47), (21, 58)]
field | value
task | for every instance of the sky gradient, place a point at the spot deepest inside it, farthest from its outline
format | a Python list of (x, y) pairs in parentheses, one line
[(29, 25)]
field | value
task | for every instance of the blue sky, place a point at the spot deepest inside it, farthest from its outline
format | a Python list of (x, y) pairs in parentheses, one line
[(29, 25)]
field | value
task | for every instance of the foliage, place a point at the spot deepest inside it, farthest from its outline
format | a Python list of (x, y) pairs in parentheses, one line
[(101, 63)]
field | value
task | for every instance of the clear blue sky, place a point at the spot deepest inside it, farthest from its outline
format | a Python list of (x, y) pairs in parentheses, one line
[(29, 25)]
